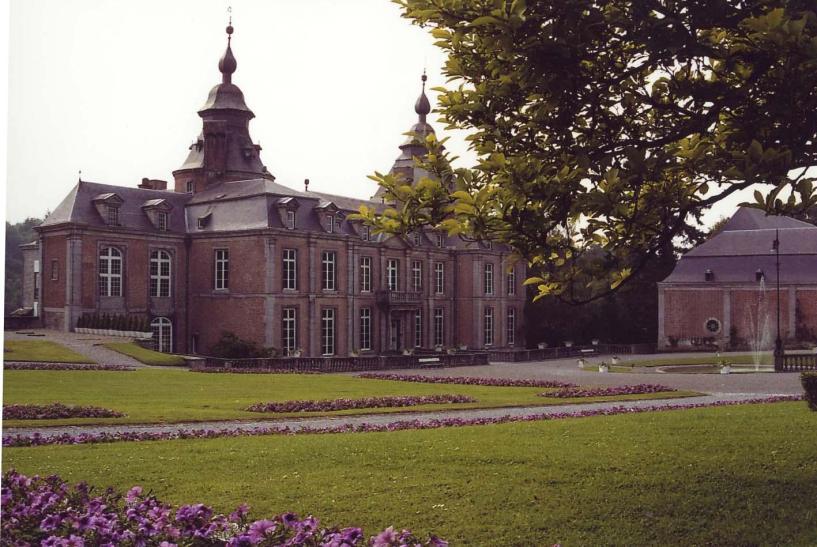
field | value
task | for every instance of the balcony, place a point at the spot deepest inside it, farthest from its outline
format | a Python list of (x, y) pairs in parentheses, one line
[(399, 299)]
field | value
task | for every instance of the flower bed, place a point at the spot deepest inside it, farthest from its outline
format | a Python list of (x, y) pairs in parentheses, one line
[(570, 392), (47, 511), (367, 402), (36, 439), (25, 365), (55, 411), (466, 380)]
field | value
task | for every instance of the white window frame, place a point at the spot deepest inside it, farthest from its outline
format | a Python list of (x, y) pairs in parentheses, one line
[(289, 330), (290, 219), (189, 186), (289, 270), (365, 274), (510, 327), (161, 269), (439, 326), (511, 281), (417, 275), (329, 270), (365, 233), (439, 277), (112, 218), (440, 242), (221, 272), (162, 329), (393, 274), (330, 223), (365, 329), (328, 331), (488, 278), (110, 268), (161, 221), (488, 327), (418, 329), (416, 239)]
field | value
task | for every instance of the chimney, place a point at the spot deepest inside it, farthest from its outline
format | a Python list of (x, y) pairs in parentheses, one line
[(153, 184)]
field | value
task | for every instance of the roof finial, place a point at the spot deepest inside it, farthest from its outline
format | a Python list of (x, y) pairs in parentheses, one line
[(79, 178), (227, 64), (422, 106)]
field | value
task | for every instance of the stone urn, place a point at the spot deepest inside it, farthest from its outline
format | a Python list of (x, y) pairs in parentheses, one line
[(726, 369), (581, 362), (604, 368)]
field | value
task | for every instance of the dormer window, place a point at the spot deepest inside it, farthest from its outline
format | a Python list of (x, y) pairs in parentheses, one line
[(489, 245), (158, 212), (416, 239), (189, 186), (709, 275), (112, 217), (161, 221), (329, 216), (759, 275), (330, 223), (290, 220), (440, 241), (338, 220), (365, 235), (287, 209), (203, 221)]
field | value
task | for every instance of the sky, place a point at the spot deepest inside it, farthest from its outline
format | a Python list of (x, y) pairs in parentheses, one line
[(112, 88)]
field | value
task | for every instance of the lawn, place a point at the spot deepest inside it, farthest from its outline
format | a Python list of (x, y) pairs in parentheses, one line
[(172, 395), (740, 475), (41, 350), (146, 356), (703, 359)]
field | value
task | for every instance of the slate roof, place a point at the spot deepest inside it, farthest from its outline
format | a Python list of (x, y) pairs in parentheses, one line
[(78, 207), (745, 245)]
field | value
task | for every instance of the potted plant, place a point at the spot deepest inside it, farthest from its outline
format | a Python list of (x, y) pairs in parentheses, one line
[(296, 352), (408, 351), (614, 359), (581, 362), (603, 367), (726, 367), (595, 341), (568, 343)]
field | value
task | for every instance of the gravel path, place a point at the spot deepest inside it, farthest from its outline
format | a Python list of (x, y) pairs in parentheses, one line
[(320, 422), (89, 345)]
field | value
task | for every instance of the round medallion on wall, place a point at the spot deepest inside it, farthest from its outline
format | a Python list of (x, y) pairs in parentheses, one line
[(713, 325)]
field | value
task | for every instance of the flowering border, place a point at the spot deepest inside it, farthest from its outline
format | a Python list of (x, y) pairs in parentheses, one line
[(466, 380), (640, 389), (367, 402), (55, 411), (38, 365), (36, 439), (47, 511)]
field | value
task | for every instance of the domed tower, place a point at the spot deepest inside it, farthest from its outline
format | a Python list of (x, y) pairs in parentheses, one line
[(414, 146), (224, 150)]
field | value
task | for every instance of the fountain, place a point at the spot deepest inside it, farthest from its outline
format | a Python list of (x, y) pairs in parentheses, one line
[(758, 324)]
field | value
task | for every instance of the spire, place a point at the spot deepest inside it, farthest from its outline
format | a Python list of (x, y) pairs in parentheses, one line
[(422, 106), (227, 64)]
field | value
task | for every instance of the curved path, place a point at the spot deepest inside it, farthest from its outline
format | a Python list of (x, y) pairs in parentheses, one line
[(297, 424), (89, 345)]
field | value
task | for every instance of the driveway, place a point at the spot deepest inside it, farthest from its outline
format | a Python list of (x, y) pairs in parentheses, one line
[(89, 345)]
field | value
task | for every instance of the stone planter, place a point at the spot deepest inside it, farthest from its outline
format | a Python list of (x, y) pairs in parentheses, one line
[(581, 363), (604, 368), (568, 343), (541, 345), (726, 369), (614, 360)]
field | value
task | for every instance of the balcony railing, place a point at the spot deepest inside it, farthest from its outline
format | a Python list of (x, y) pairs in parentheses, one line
[(399, 298)]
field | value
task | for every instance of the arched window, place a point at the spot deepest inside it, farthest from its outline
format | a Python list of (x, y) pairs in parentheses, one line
[(110, 272), (159, 274), (162, 334)]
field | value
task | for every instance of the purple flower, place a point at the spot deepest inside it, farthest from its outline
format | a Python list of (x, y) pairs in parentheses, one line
[(260, 529)]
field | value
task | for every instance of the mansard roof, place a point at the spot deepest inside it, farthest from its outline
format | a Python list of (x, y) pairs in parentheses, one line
[(78, 206)]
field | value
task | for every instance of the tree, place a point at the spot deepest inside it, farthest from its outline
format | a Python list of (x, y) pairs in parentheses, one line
[(606, 128)]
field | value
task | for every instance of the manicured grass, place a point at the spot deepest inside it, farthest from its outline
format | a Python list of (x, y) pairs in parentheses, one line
[(172, 395), (146, 356), (739, 475), (41, 350), (703, 359)]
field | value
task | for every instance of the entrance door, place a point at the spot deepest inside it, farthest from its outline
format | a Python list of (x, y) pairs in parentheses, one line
[(395, 335)]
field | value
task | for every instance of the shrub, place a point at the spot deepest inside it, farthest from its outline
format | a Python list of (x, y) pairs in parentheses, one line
[(231, 346), (809, 380)]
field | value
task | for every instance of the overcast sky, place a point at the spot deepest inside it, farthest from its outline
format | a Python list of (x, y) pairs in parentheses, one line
[(112, 88)]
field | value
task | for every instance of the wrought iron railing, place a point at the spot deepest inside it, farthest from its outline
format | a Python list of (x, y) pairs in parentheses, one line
[(398, 298)]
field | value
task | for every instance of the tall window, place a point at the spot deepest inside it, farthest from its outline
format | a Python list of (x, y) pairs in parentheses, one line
[(36, 285), (438, 326), (328, 331), (159, 274), (55, 269), (510, 326), (222, 274), (440, 241), (417, 275), (330, 223), (418, 329), (365, 274), (488, 327), (439, 277), (289, 272), (416, 239), (392, 269), (161, 220), (511, 282), (365, 328), (489, 278), (113, 216), (328, 259), (162, 330), (110, 272), (291, 220), (289, 330), (189, 186), (365, 233)]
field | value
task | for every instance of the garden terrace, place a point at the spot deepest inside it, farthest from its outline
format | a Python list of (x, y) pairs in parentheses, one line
[(564, 352), (799, 362)]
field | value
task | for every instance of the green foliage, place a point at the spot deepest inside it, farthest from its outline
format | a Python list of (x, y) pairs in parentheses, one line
[(146, 356), (699, 477), (607, 128), (230, 346), (809, 380), (16, 235)]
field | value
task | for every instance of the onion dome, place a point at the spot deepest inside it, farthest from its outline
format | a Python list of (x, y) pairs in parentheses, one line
[(227, 64), (422, 106)]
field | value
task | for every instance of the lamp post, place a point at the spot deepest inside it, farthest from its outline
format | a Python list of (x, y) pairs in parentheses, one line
[(778, 343)]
